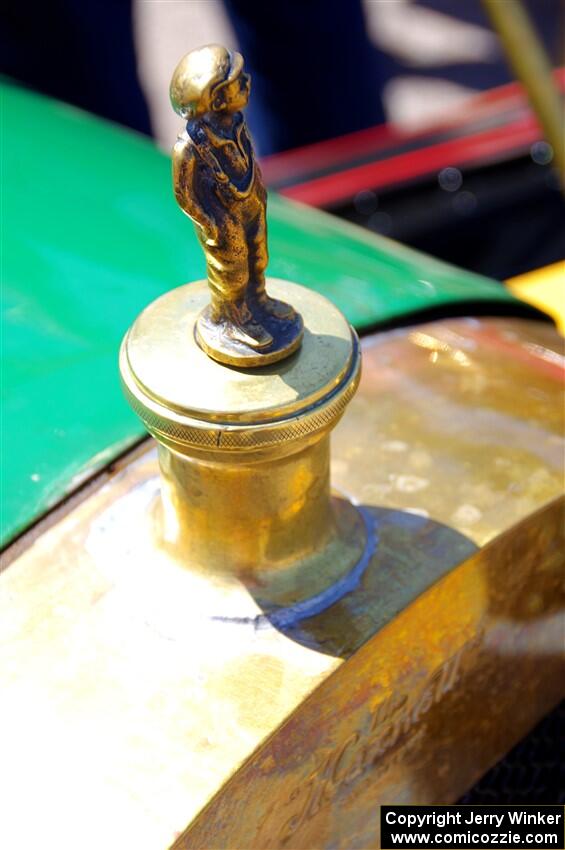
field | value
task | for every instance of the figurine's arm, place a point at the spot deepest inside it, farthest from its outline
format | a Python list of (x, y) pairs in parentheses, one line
[(183, 183)]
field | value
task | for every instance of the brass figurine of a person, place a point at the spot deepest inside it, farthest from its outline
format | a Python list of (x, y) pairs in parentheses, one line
[(218, 184)]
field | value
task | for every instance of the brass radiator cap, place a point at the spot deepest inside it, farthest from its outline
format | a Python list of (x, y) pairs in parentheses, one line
[(239, 378), (189, 401)]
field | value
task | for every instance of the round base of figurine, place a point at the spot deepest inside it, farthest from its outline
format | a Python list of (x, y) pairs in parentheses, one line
[(195, 405), (274, 332)]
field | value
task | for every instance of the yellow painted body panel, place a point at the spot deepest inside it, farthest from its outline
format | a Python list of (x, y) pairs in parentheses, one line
[(543, 288)]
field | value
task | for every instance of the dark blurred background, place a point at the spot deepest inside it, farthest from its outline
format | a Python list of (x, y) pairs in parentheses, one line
[(322, 69)]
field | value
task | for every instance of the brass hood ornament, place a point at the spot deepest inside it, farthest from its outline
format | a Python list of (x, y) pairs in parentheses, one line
[(248, 446), (218, 184)]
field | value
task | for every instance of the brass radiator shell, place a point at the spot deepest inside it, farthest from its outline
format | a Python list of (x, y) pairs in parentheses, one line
[(131, 721)]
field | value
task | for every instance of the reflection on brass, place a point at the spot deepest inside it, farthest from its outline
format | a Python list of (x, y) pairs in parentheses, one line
[(226, 716), (218, 184)]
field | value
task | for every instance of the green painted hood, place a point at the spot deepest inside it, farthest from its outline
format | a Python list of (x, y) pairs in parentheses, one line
[(92, 234)]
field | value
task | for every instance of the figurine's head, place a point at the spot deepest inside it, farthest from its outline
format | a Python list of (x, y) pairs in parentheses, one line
[(209, 79)]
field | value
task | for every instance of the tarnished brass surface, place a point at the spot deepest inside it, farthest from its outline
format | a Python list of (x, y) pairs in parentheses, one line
[(456, 425), (144, 703), (218, 184), (418, 714), (461, 421)]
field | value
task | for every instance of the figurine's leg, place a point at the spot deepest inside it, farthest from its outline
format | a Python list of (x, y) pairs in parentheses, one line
[(258, 259), (228, 276), (258, 253)]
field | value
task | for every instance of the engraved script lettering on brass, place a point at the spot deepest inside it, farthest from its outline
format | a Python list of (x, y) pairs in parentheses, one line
[(390, 726)]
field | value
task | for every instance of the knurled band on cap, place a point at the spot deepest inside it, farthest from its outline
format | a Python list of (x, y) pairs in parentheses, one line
[(263, 435)]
